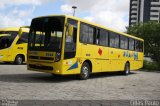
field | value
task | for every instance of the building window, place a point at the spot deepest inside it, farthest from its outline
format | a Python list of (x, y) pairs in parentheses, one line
[(133, 13), (133, 18), (134, 9), (154, 10), (154, 15), (154, 0), (155, 5), (134, 4)]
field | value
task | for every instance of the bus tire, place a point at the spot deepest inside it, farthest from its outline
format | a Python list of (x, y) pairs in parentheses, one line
[(7, 62), (19, 60), (126, 69), (85, 71)]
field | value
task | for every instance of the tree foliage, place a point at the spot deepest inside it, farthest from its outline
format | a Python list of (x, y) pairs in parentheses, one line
[(150, 32)]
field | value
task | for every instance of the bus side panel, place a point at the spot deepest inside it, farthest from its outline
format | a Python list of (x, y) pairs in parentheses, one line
[(71, 66), (137, 62), (19, 49), (12, 50), (104, 61), (90, 52), (116, 59), (4, 55)]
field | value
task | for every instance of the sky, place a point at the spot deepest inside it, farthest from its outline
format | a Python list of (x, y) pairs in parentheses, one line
[(110, 13)]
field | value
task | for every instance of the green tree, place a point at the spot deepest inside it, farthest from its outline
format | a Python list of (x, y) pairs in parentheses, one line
[(150, 32)]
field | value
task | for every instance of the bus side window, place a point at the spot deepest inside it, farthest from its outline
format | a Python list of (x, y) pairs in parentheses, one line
[(103, 39), (141, 46), (87, 34), (23, 38), (131, 44), (138, 46), (123, 42), (70, 41), (114, 40), (96, 36)]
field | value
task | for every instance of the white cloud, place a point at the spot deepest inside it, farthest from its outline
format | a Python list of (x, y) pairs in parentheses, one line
[(1, 6), (110, 13), (18, 16), (89, 18), (66, 9), (24, 2)]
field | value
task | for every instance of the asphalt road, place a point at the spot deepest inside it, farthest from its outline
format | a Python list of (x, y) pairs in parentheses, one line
[(19, 84)]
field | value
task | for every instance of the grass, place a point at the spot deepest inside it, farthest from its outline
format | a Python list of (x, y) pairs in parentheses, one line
[(151, 65)]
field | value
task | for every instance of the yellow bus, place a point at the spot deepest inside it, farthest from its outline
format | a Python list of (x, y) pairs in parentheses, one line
[(13, 45), (69, 45)]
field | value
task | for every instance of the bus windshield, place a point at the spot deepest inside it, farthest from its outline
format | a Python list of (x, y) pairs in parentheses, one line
[(7, 38), (46, 34)]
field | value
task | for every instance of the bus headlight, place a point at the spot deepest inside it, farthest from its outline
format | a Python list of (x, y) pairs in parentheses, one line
[(1, 56), (58, 56)]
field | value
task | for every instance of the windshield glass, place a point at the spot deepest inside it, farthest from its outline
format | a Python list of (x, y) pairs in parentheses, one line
[(7, 40), (46, 34)]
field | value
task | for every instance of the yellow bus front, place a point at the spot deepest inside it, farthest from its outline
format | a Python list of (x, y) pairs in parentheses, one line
[(52, 47)]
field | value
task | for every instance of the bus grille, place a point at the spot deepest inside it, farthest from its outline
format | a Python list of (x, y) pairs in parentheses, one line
[(41, 58), (40, 67), (33, 57)]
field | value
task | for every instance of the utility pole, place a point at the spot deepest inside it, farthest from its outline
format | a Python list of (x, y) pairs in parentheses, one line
[(74, 9), (159, 16)]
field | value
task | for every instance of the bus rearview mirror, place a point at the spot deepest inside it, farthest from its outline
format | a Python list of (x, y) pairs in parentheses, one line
[(70, 30), (20, 32)]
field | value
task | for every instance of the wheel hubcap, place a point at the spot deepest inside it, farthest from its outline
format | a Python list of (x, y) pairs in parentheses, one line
[(19, 60), (85, 72), (127, 69)]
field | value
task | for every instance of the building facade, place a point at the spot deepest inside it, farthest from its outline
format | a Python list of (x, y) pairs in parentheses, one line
[(143, 11)]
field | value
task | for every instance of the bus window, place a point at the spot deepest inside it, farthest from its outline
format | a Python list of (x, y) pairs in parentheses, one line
[(84, 33), (23, 38), (46, 34), (87, 33), (70, 42), (103, 39), (123, 42), (6, 41), (141, 46), (114, 40), (138, 46), (131, 44)]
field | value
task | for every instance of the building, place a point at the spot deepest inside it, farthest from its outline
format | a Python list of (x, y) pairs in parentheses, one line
[(143, 11)]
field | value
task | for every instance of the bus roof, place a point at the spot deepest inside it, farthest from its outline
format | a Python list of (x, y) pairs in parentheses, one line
[(94, 24), (14, 29)]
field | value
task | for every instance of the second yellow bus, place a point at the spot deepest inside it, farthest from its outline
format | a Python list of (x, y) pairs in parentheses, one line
[(13, 45)]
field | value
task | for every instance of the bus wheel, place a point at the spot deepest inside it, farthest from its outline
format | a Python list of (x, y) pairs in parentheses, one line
[(126, 69), (85, 71), (18, 60)]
